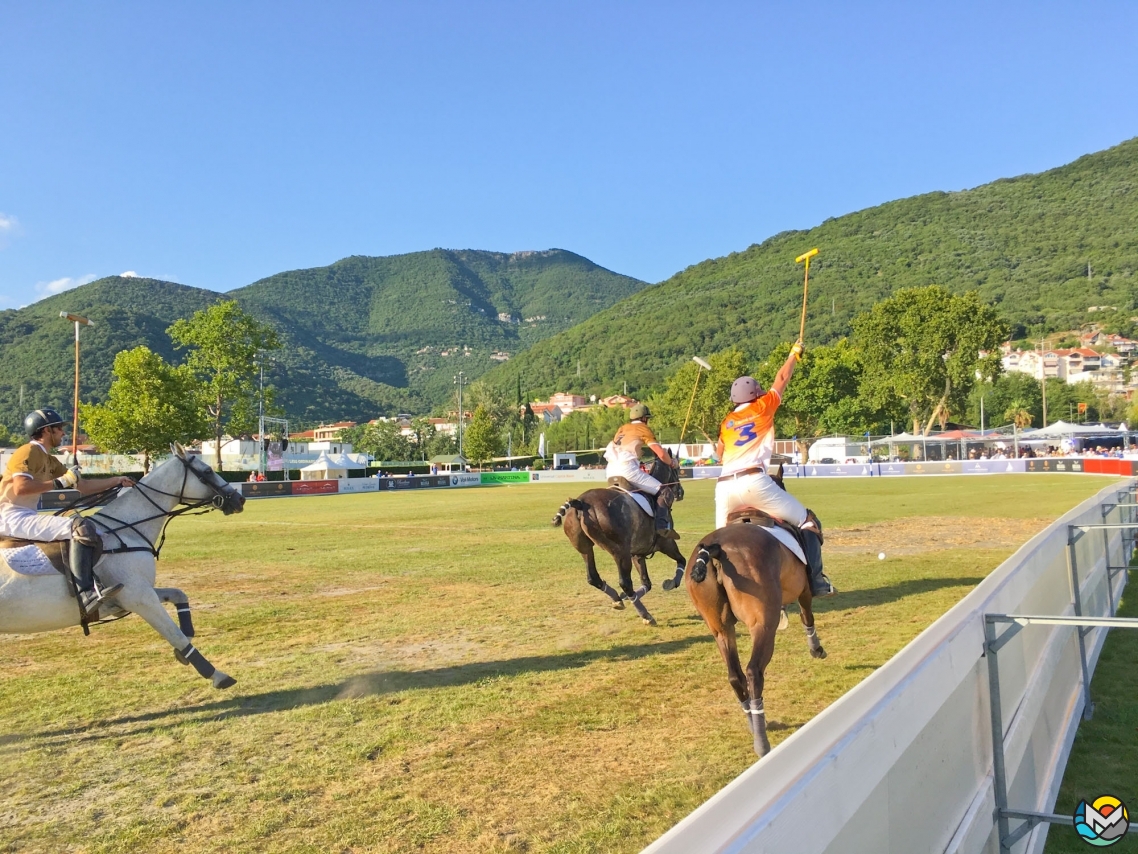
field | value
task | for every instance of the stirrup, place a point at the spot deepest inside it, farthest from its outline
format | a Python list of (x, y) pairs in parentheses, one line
[(827, 588), (92, 599)]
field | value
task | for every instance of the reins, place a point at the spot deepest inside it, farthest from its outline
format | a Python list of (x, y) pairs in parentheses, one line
[(101, 517)]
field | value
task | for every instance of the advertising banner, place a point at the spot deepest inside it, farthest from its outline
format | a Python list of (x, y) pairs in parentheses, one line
[(57, 498), (701, 472), (504, 477), (891, 469), (577, 476), (429, 481), (945, 467), (267, 488), (465, 479), (359, 484), (835, 470), (313, 487)]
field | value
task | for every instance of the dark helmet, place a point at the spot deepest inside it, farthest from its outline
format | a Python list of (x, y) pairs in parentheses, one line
[(638, 411), (745, 389), (41, 418)]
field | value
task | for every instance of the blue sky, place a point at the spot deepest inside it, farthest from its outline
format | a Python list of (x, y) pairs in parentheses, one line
[(214, 144)]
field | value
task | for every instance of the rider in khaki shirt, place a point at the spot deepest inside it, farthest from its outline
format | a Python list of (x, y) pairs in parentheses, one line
[(32, 471)]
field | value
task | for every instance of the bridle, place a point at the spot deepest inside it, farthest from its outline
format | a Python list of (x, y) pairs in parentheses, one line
[(222, 499)]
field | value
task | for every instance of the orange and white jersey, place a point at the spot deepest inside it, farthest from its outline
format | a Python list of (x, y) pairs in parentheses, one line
[(628, 442), (748, 434)]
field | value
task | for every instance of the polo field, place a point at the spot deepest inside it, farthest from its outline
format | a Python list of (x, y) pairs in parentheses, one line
[(430, 671)]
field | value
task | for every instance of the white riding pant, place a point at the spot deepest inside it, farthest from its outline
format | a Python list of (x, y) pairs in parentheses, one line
[(630, 470), (759, 491), (24, 524)]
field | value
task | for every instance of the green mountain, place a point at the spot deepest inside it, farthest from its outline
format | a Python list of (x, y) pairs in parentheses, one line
[(361, 337), (1046, 249)]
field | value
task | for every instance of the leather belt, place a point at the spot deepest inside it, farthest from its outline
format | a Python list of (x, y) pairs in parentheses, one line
[(743, 473)]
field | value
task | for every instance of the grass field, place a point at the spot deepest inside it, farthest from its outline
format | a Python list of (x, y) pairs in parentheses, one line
[(430, 672)]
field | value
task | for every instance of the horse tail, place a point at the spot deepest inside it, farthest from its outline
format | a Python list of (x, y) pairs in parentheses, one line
[(704, 556), (575, 503)]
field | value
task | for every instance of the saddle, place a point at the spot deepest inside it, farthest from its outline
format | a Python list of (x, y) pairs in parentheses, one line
[(755, 516), (58, 552)]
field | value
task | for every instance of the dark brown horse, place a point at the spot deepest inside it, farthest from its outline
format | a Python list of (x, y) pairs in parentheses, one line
[(611, 518), (741, 572)]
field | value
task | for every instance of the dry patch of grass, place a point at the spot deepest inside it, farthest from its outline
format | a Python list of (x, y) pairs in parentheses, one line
[(430, 672)]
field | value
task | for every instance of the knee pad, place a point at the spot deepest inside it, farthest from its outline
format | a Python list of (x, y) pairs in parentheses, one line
[(83, 530)]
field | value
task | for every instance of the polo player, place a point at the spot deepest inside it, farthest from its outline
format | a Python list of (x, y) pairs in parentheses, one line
[(34, 470), (623, 456), (746, 442)]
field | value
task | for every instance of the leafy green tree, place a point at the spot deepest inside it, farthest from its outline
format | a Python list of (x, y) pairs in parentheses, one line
[(922, 347), (384, 440), (151, 405), (712, 398), (423, 433), (823, 397), (1007, 392), (222, 343), (482, 439)]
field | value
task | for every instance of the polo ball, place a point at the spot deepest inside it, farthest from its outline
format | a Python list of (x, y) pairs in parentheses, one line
[(881, 555)]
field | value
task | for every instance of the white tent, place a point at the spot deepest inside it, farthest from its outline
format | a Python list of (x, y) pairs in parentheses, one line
[(1062, 430), (344, 461), (324, 468)]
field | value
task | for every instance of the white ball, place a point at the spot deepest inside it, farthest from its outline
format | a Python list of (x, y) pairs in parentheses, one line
[(881, 555)]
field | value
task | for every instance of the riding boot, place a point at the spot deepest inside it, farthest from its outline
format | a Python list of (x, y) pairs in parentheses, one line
[(820, 585), (664, 525), (83, 556)]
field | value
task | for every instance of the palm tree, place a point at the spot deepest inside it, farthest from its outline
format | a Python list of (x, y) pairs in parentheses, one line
[(1019, 415)]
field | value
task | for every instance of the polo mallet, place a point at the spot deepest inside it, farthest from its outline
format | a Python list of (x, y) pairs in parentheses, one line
[(805, 256), (78, 320), (700, 365)]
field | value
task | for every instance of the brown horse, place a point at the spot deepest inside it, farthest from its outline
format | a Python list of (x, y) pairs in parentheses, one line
[(741, 572), (611, 519)]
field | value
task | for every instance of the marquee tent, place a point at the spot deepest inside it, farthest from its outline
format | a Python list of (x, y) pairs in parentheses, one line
[(324, 468)]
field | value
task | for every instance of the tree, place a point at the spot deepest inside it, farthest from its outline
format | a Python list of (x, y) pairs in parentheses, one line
[(482, 439), (822, 398), (151, 405), (922, 347), (223, 342), (384, 440), (712, 398)]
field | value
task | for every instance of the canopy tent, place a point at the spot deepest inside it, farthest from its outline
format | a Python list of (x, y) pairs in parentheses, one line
[(324, 468), (899, 439), (1064, 430)]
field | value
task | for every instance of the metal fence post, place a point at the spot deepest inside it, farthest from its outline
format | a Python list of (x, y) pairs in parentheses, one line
[(999, 780), (1077, 601)]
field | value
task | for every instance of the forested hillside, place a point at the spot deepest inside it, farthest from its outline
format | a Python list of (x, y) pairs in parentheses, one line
[(363, 336), (1043, 248)]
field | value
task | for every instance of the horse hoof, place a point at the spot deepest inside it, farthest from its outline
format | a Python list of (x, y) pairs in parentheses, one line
[(618, 605), (649, 621), (818, 653), (669, 584), (783, 622), (223, 680)]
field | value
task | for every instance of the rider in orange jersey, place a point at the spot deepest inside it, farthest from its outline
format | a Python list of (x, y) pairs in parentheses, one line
[(746, 442), (623, 457)]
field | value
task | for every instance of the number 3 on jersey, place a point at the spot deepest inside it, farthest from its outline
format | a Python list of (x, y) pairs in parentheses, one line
[(746, 435)]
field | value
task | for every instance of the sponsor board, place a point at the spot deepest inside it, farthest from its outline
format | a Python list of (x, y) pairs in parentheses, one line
[(431, 481), (579, 476), (891, 469), (702, 472), (56, 498), (359, 484), (315, 487), (835, 470), (266, 488), (504, 477), (465, 479)]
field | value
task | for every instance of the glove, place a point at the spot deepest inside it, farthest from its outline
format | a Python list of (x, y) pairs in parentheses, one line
[(68, 479), (797, 350)]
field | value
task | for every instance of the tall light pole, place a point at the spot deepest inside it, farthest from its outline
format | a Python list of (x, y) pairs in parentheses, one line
[(458, 382), (78, 320)]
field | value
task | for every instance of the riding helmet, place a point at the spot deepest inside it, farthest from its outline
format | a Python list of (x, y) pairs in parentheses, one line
[(638, 412), (41, 418), (745, 389)]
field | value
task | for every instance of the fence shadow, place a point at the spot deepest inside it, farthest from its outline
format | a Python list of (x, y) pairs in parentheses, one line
[(848, 599), (376, 683)]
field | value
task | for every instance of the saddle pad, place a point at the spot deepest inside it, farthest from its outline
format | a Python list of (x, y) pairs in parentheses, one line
[(27, 560), (639, 497), (787, 539)]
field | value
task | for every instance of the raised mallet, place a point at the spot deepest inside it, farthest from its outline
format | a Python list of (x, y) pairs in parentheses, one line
[(700, 365), (805, 256), (78, 320)]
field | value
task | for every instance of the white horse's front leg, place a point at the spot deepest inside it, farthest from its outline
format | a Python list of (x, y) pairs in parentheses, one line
[(146, 603)]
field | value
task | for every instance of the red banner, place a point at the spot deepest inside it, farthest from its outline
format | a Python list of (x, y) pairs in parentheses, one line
[(315, 487)]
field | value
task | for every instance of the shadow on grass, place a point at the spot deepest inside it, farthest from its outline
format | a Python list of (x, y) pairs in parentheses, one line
[(849, 599), (372, 684)]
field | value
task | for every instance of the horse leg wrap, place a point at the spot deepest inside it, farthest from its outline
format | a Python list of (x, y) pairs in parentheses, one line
[(643, 612), (815, 645), (190, 655), (184, 622), (639, 594), (673, 583), (609, 591), (758, 721), (703, 558)]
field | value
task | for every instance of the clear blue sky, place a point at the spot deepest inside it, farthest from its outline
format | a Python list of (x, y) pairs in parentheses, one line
[(216, 143)]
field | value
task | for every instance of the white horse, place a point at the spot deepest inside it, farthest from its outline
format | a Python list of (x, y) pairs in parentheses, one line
[(133, 528)]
